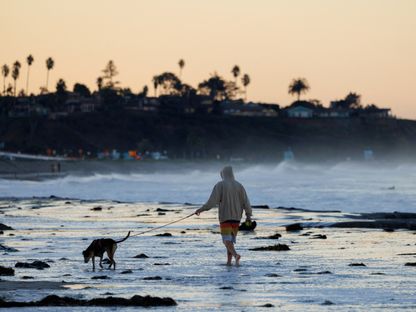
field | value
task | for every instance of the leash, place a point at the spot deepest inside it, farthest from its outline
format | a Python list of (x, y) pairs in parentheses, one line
[(162, 226)]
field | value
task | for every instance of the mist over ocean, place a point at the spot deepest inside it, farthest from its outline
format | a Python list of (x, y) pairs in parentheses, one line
[(347, 186)]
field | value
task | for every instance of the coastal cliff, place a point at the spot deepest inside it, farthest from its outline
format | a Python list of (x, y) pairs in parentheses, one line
[(207, 136)]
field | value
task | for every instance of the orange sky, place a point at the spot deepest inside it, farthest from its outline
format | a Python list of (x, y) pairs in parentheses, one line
[(366, 46)]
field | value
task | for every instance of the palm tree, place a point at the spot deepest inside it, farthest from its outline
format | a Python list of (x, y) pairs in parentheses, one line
[(245, 80), (49, 65), (236, 72), (156, 82), (5, 72), (29, 61), (100, 83), (16, 73), (298, 86), (181, 64)]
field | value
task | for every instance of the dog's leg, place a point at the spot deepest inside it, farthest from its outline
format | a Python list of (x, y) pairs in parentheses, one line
[(93, 263), (114, 251), (112, 262), (111, 253), (101, 260)]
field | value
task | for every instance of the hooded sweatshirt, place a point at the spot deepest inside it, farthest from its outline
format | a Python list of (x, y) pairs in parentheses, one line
[(230, 196)]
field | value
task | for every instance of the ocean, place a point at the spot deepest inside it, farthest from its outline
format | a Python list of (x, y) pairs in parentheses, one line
[(348, 186)]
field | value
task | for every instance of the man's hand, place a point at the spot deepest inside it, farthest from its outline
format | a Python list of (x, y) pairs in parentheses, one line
[(197, 212), (248, 218)]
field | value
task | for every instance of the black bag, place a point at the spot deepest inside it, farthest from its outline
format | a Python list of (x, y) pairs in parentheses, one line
[(248, 226)]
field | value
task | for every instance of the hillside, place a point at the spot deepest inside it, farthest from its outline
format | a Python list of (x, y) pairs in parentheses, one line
[(205, 136)]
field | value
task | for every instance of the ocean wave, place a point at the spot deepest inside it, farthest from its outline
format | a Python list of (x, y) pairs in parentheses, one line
[(345, 186)]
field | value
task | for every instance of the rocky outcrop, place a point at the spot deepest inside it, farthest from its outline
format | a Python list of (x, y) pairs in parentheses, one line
[(39, 265), (6, 271), (274, 236), (57, 301), (141, 256), (5, 227), (357, 264), (7, 249), (164, 235), (294, 227), (278, 247)]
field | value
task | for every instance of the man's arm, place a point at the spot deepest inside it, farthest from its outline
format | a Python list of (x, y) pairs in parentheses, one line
[(246, 204), (213, 200)]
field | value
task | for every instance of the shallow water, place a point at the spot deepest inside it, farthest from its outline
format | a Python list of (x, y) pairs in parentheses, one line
[(191, 264), (193, 270)]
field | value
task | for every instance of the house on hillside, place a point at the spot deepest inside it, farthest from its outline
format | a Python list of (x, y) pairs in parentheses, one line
[(337, 109), (333, 113), (25, 107), (80, 105), (373, 111), (239, 108), (300, 109), (21, 108), (149, 104)]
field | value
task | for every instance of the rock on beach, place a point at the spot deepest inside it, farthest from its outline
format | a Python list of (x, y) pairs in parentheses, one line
[(5, 227), (4, 271), (57, 301), (277, 247), (40, 265)]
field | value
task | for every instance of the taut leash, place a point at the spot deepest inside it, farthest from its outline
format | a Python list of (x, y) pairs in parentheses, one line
[(162, 226)]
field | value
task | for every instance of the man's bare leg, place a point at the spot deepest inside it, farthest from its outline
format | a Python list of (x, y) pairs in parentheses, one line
[(229, 257), (229, 254), (231, 250), (237, 259)]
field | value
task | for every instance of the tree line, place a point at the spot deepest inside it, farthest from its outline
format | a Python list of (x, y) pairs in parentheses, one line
[(14, 71), (166, 83)]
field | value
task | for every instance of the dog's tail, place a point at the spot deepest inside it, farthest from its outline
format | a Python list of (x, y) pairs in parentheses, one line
[(128, 234)]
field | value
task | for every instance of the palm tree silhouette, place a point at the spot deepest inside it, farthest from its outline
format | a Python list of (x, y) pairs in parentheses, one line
[(181, 64), (236, 72), (5, 72), (245, 80), (298, 86), (29, 61), (49, 65), (16, 73), (100, 83), (156, 82)]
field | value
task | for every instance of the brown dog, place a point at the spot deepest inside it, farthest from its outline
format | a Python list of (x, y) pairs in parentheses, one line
[(97, 249)]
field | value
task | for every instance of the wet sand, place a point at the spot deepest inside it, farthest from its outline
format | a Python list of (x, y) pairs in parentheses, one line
[(325, 268), (14, 285)]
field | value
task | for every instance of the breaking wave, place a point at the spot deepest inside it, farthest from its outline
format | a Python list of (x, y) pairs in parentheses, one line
[(343, 186)]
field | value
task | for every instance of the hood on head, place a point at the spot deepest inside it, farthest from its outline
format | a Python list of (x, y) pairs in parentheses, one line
[(227, 173)]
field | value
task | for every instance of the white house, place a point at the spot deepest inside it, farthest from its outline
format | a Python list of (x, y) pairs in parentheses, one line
[(299, 111)]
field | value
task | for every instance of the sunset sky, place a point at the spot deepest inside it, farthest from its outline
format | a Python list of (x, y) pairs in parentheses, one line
[(365, 46)]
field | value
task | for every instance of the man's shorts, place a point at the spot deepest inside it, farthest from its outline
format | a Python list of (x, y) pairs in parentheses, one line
[(229, 230)]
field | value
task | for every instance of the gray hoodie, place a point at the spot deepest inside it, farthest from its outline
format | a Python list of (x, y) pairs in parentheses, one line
[(230, 196)]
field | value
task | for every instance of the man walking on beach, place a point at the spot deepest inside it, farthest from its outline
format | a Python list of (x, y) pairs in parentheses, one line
[(231, 198)]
